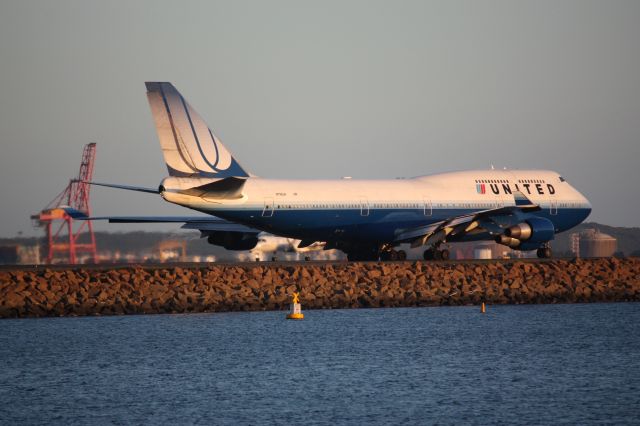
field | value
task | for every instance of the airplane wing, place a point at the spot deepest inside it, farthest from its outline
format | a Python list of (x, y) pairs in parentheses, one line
[(440, 230), (205, 224), (460, 225)]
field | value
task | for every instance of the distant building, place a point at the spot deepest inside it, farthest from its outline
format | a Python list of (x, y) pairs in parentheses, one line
[(19, 255), (575, 244), (172, 250), (29, 255), (485, 250), (482, 252)]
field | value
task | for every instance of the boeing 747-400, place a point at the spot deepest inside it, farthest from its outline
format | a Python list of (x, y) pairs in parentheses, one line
[(367, 219)]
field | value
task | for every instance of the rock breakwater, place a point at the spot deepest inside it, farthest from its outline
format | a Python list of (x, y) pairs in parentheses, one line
[(212, 288)]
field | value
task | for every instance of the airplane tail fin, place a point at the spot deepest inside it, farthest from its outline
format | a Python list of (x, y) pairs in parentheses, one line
[(189, 146)]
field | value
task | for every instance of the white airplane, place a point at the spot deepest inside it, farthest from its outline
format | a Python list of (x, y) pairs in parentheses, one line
[(274, 247), (366, 219)]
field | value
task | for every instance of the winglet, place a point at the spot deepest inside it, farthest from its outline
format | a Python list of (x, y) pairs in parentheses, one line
[(523, 202), (74, 213)]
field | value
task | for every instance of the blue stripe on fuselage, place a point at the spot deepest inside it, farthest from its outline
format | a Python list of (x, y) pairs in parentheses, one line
[(381, 225)]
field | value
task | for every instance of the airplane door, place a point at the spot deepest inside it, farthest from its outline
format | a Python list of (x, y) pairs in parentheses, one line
[(553, 207), (364, 207), (268, 207), (428, 207)]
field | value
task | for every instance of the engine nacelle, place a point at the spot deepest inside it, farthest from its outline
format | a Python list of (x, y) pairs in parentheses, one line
[(507, 241), (233, 240), (521, 231), (535, 229)]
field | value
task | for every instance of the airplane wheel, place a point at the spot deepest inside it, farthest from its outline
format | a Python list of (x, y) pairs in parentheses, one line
[(429, 254), (307, 258), (364, 254), (402, 255), (273, 259), (444, 254), (544, 253), (393, 255), (385, 255)]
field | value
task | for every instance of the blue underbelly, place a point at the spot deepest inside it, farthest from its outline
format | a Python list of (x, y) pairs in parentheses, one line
[(379, 225)]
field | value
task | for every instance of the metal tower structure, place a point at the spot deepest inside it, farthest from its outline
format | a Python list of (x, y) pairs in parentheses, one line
[(575, 244), (61, 247)]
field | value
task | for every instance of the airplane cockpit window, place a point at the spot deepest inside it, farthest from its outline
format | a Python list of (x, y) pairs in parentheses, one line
[(562, 179)]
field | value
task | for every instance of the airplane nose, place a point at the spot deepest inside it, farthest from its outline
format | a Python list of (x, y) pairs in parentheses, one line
[(587, 207)]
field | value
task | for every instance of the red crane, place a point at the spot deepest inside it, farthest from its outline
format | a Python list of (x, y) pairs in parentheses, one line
[(60, 247)]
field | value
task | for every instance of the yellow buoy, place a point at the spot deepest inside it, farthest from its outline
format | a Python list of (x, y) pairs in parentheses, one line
[(296, 308), (483, 309)]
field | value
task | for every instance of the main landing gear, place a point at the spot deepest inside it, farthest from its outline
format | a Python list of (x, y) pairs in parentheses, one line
[(544, 252), (436, 254), (374, 253), (393, 255)]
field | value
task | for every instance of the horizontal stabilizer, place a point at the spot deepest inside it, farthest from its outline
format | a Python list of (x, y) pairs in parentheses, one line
[(145, 219), (127, 187), (157, 219), (201, 223)]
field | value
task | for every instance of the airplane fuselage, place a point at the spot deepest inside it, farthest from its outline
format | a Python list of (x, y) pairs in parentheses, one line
[(375, 211), (366, 219)]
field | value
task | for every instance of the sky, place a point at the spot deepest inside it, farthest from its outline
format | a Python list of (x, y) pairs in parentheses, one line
[(322, 89)]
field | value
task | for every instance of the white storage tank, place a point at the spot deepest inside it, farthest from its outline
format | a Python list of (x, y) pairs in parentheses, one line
[(597, 244)]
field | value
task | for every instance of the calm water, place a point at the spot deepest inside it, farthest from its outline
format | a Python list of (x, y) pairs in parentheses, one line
[(546, 364)]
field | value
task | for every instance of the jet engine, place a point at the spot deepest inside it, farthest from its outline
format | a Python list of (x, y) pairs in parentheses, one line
[(233, 240), (508, 241), (532, 231)]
